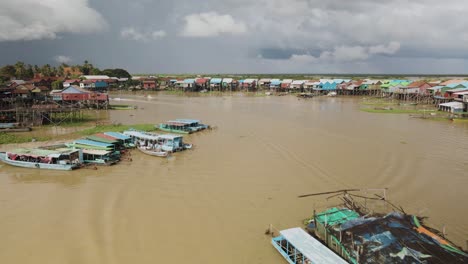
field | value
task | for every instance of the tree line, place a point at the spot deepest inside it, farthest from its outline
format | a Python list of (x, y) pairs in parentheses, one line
[(23, 71)]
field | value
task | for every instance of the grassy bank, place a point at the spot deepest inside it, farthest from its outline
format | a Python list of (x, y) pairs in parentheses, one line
[(8, 138), (16, 138)]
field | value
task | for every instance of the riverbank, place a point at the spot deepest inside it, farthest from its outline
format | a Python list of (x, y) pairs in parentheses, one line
[(35, 138)]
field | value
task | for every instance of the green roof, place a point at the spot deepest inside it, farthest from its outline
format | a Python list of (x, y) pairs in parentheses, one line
[(336, 216), (100, 139)]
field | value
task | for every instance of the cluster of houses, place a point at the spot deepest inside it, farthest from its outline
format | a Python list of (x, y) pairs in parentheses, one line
[(450, 95), (87, 88)]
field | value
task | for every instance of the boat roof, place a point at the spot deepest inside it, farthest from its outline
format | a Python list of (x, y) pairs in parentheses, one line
[(93, 143), (96, 152), (310, 247), (175, 123), (187, 121), (104, 136), (117, 135), (100, 139), (140, 134), (169, 136), (41, 152)]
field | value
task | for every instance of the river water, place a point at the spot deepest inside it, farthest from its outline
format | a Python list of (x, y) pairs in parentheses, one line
[(213, 204)]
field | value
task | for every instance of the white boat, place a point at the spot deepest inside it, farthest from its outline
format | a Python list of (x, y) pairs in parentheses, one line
[(43, 159), (152, 152), (332, 94)]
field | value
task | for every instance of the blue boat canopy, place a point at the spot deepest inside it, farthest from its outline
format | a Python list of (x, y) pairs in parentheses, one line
[(93, 143), (117, 135), (310, 247), (215, 80), (189, 80)]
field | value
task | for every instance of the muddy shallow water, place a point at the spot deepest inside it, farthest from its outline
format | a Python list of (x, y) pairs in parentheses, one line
[(212, 204)]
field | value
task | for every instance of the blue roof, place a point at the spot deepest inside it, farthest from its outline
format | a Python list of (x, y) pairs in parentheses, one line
[(189, 80), (117, 135), (215, 80), (93, 143), (275, 82)]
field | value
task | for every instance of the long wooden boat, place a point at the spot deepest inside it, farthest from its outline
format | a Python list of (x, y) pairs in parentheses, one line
[(152, 152), (43, 159)]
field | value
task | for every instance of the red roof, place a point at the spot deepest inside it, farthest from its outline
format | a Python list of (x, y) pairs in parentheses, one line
[(416, 84), (201, 81)]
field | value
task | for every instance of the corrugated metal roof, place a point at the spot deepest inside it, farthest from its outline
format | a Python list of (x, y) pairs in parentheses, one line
[(117, 135), (310, 247), (287, 81), (227, 80), (216, 80), (298, 82), (275, 82), (93, 143), (189, 80)]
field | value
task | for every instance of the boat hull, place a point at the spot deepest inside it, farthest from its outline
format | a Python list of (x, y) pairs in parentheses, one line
[(154, 153), (32, 165)]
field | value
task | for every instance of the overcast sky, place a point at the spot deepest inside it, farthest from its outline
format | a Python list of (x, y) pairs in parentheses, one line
[(240, 36)]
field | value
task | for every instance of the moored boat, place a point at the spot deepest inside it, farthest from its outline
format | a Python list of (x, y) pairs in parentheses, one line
[(43, 159), (175, 127), (153, 152), (99, 157), (127, 141), (193, 124)]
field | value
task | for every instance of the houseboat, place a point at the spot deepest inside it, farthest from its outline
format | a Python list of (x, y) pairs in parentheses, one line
[(127, 141), (99, 157), (90, 156), (194, 124), (176, 127), (167, 143), (43, 159), (298, 247), (90, 144)]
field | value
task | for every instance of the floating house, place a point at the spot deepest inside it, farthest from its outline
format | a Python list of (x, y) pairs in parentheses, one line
[(215, 83), (298, 84), (250, 84), (264, 83), (286, 84), (275, 84)]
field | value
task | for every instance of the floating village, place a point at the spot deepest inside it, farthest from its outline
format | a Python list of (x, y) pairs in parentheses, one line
[(352, 232), (28, 103)]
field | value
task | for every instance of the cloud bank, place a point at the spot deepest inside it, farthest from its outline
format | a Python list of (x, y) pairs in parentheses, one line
[(211, 24), (45, 19)]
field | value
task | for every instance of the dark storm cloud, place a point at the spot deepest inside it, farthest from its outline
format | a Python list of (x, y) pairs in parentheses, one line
[(239, 35)]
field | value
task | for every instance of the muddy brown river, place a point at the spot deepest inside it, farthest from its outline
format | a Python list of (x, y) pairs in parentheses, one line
[(213, 204)]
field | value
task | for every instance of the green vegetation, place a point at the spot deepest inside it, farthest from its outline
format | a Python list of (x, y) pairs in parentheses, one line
[(8, 138), (115, 128)]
